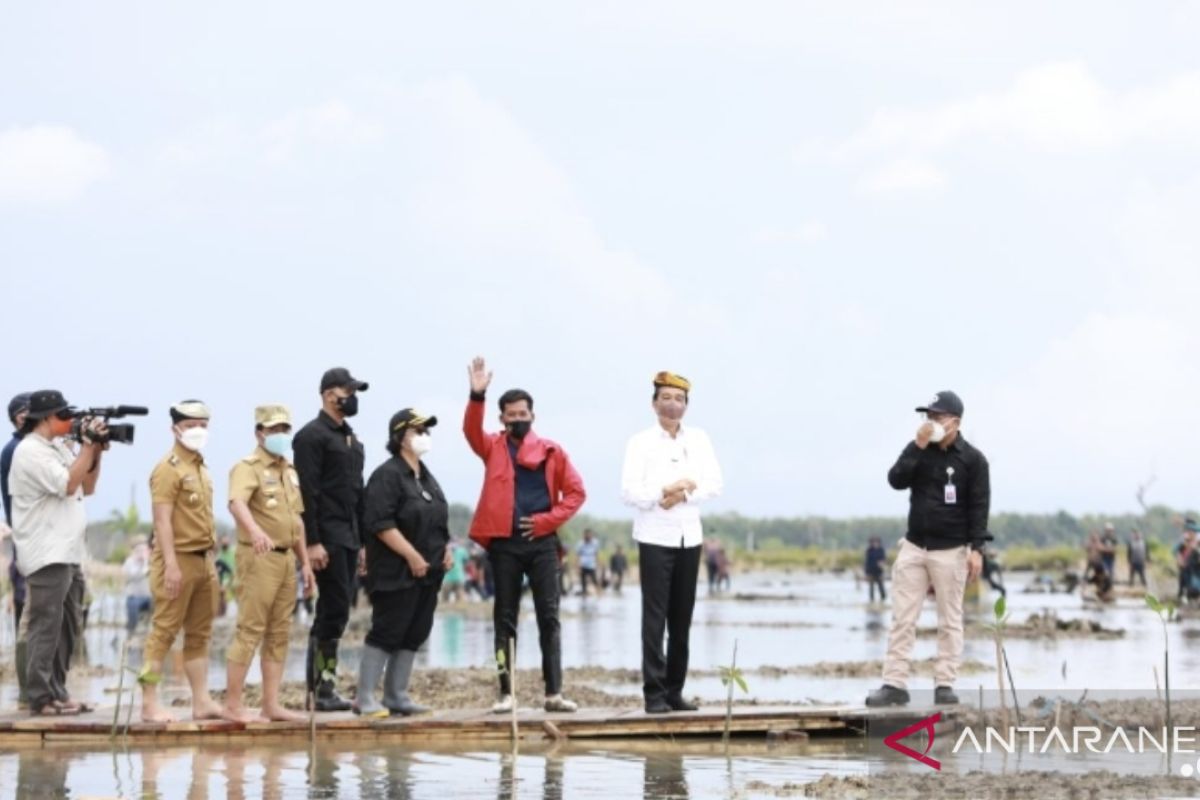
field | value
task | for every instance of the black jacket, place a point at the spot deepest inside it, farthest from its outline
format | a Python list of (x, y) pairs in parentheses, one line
[(414, 505), (933, 523), (329, 460)]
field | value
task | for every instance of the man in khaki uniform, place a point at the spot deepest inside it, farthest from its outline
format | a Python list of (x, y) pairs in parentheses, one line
[(264, 498), (183, 578)]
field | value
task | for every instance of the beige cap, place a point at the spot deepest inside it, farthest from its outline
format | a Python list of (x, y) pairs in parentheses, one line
[(270, 415), (189, 409)]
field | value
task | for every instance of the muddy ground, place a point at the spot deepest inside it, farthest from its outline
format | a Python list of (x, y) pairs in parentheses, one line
[(1040, 626), (984, 786)]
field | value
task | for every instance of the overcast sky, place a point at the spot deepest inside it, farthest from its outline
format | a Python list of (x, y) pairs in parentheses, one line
[(821, 213)]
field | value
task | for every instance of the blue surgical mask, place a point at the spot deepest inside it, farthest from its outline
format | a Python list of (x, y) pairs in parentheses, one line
[(277, 444)]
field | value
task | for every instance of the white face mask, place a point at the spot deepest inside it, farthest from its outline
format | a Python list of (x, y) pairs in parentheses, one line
[(421, 444), (194, 439), (939, 432)]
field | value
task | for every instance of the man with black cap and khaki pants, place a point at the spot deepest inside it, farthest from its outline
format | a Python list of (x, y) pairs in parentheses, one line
[(183, 576), (264, 498), (329, 459), (669, 470), (949, 498)]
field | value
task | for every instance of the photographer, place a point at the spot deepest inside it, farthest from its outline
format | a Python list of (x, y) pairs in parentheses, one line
[(48, 483)]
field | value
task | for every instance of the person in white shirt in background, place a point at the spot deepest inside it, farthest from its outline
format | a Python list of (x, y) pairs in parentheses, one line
[(669, 470), (137, 583)]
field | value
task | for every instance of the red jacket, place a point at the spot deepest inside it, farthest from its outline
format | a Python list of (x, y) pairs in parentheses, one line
[(494, 513)]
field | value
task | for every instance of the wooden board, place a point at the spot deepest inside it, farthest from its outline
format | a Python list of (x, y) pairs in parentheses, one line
[(586, 724)]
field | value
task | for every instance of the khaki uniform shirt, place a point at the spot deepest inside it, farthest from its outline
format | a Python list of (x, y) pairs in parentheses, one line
[(181, 480), (271, 488)]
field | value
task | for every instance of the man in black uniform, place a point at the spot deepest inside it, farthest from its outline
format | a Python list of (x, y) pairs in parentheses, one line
[(949, 497), (329, 460)]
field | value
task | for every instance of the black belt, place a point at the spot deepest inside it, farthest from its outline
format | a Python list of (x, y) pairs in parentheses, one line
[(280, 549), (192, 552)]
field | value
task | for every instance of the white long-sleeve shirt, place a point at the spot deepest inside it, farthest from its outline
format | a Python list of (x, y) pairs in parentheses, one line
[(49, 525), (653, 460)]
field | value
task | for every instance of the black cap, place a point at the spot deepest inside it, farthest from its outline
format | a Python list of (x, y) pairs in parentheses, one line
[(46, 402), (18, 404), (943, 403), (340, 376), (409, 417)]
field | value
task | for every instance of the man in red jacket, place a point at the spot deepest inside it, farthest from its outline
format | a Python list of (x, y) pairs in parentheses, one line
[(530, 490)]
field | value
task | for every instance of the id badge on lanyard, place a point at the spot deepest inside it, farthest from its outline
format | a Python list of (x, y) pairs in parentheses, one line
[(951, 489)]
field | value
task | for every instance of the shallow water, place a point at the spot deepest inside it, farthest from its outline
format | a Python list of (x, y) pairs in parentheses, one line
[(796, 620), (816, 618)]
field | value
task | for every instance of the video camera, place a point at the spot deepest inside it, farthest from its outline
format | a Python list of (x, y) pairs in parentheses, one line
[(115, 433)]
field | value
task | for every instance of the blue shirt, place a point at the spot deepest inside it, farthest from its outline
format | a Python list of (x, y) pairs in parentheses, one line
[(588, 552), (6, 457), (875, 558), (531, 494)]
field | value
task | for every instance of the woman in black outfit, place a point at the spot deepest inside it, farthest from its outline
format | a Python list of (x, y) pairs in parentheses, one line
[(406, 530)]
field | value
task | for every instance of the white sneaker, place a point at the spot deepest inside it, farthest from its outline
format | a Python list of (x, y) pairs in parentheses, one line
[(504, 705), (556, 702)]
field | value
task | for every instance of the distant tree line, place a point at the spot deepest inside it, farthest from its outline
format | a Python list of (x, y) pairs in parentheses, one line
[(107, 539)]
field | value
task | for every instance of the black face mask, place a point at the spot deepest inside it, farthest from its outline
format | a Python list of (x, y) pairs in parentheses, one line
[(348, 405), (519, 429)]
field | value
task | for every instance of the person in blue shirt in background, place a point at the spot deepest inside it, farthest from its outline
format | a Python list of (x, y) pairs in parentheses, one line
[(18, 407), (589, 562), (873, 567)]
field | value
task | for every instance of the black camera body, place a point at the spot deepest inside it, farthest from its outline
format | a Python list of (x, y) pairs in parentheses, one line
[(122, 433)]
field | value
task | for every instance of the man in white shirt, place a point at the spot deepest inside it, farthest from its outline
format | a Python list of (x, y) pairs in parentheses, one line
[(48, 483), (669, 470)]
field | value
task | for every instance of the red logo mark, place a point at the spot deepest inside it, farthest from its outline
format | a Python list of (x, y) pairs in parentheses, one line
[(926, 724)]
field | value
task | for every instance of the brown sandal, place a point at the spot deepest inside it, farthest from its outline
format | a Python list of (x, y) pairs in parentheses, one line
[(56, 710)]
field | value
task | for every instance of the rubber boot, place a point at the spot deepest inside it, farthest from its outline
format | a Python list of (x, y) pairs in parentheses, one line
[(395, 689), (370, 670)]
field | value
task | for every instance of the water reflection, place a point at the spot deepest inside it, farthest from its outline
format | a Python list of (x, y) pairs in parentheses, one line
[(652, 769)]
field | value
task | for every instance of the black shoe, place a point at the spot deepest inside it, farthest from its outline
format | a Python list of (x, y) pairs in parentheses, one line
[(323, 669), (944, 696), (657, 707), (329, 700), (677, 703), (887, 696)]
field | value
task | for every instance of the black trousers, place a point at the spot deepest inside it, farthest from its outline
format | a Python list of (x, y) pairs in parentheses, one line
[(512, 560), (335, 591), (587, 576), (402, 619), (876, 580), (668, 576)]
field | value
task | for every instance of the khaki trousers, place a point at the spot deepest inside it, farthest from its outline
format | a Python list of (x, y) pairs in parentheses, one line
[(193, 610), (266, 598), (915, 571)]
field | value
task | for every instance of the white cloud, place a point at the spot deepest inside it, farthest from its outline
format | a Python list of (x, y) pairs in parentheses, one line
[(1117, 390), (806, 232), (1053, 107), (332, 124), (330, 127), (903, 175), (48, 165)]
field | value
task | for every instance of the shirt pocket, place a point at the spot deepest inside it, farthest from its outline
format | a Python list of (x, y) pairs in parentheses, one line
[(193, 492)]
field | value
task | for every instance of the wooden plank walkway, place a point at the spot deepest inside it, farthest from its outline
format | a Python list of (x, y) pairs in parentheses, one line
[(588, 724)]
